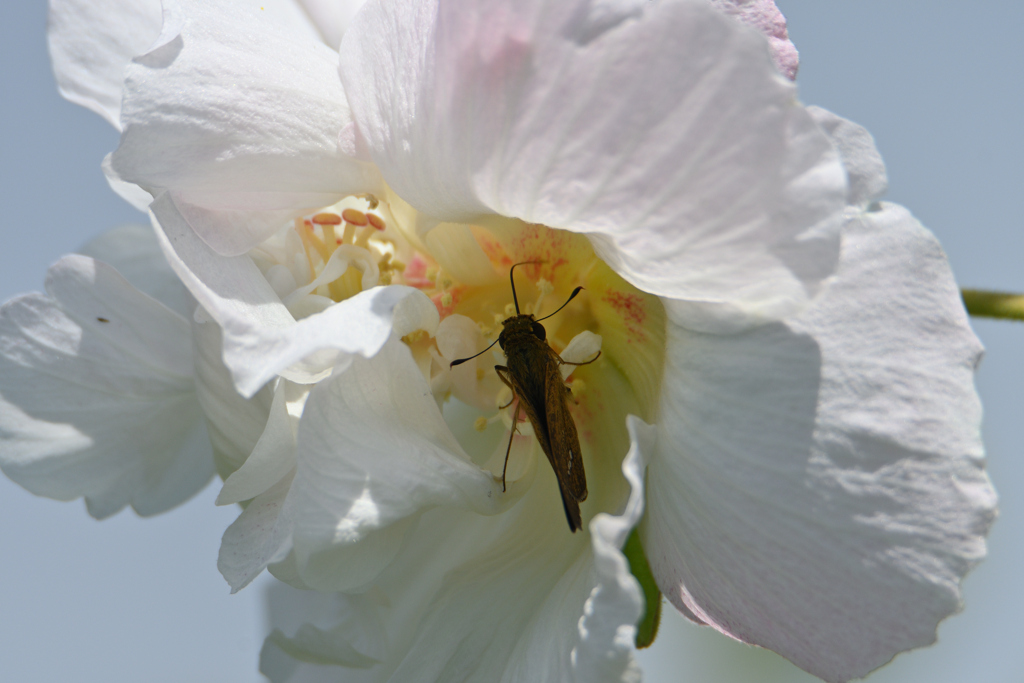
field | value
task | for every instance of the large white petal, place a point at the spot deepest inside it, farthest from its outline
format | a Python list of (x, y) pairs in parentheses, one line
[(662, 130), (818, 486), (244, 119), (512, 597), (92, 41), (97, 394), (261, 338)]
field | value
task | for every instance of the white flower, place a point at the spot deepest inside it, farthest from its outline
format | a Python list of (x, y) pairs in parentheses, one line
[(804, 453)]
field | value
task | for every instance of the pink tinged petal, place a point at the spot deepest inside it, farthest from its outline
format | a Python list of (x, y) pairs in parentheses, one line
[(92, 41), (765, 17), (662, 130), (261, 339), (818, 486), (865, 169), (96, 394), (242, 118)]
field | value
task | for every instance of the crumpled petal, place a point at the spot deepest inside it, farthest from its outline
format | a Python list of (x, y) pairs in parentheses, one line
[(261, 338), (96, 394), (765, 17), (510, 598), (818, 485), (92, 41), (260, 136), (705, 180), (865, 169)]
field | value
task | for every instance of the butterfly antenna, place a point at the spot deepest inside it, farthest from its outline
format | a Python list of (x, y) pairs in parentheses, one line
[(463, 360), (511, 279), (571, 297)]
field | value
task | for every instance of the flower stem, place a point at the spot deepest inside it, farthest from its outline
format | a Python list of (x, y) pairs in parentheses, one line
[(994, 304)]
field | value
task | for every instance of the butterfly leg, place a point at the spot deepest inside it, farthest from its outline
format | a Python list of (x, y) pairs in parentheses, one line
[(565, 362), (501, 370)]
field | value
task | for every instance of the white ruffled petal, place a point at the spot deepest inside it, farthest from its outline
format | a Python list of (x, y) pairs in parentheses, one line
[(818, 487), (97, 394), (243, 118), (704, 180), (261, 338), (92, 41), (511, 597)]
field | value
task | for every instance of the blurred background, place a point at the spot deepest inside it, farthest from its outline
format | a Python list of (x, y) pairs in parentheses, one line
[(940, 85)]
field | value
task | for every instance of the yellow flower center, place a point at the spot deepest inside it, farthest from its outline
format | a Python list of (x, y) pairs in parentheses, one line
[(464, 269)]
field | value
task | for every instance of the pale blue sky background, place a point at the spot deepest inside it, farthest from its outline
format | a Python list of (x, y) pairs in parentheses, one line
[(939, 83)]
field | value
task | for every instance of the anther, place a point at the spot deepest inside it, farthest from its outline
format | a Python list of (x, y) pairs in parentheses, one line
[(327, 219), (355, 217), (376, 221)]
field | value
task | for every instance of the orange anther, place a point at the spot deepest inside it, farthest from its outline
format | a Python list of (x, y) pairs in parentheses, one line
[(375, 220), (354, 216), (327, 219)]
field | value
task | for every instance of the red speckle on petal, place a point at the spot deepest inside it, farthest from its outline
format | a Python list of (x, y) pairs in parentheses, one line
[(629, 307), (415, 274)]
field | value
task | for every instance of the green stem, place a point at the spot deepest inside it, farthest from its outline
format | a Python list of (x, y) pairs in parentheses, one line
[(994, 304)]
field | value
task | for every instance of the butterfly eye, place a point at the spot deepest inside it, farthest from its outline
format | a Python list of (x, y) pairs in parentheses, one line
[(539, 330)]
